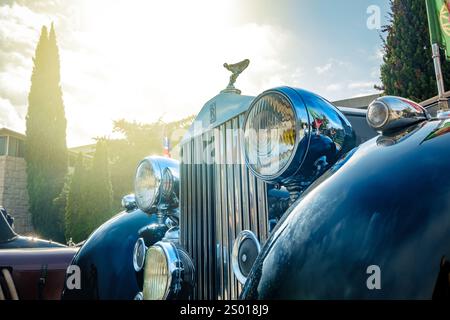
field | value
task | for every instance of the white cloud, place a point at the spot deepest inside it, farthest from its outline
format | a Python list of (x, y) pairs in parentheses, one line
[(9, 117), (324, 68), (334, 87)]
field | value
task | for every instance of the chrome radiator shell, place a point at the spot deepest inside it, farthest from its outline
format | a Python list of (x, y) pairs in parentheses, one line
[(219, 197)]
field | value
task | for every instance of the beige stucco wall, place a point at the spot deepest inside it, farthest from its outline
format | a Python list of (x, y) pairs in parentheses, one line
[(13, 192)]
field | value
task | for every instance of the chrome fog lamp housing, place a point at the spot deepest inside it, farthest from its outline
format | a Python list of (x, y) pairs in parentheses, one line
[(246, 248), (148, 181), (389, 113), (286, 130), (167, 268), (139, 254)]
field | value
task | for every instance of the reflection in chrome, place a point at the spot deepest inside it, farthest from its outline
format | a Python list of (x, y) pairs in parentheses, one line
[(389, 113), (387, 139), (218, 200)]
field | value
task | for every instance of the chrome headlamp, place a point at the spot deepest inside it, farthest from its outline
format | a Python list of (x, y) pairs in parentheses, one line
[(286, 130), (270, 134), (148, 180), (168, 270), (390, 113)]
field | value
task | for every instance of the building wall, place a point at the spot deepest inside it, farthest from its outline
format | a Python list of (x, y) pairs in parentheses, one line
[(13, 192)]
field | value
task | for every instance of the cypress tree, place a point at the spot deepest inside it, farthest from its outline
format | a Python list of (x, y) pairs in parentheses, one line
[(407, 68), (46, 152)]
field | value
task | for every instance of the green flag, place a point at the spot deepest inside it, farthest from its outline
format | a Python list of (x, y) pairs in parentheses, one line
[(439, 23)]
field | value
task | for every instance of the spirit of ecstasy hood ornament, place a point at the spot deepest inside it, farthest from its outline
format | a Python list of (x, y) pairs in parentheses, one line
[(236, 69)]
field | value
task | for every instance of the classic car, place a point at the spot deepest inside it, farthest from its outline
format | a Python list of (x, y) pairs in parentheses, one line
[(31, 268), (285, 195), (362, 206)]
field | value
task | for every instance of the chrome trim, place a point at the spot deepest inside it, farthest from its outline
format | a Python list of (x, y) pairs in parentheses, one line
[(401, 113), (246, 234), (140, 244), (216, 204)]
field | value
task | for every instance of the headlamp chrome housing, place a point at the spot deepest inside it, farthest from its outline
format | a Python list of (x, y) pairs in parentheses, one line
[(286, 132), (168, 272), (148, 181)]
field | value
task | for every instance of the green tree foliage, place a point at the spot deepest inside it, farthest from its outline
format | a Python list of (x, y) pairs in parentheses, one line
[(140, 140), (407, 68), (76, 226), (60, 204), (99, 197), (89, 199), (46, 152)]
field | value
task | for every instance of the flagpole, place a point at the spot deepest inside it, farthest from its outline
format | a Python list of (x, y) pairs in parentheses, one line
[(442, 101)]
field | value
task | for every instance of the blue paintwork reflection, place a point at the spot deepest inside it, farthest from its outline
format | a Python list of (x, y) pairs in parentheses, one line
[(106, 258), (385, 205)]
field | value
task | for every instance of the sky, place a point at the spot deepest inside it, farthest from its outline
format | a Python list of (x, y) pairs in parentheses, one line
[(143, 60)]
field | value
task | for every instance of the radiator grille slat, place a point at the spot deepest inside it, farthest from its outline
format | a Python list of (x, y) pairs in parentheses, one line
[(219, 198)]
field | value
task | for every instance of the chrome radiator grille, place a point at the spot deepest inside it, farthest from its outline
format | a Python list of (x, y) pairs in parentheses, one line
[(219, 198)]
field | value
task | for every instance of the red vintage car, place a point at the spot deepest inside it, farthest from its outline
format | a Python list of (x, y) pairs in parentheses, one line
[(31, 268)]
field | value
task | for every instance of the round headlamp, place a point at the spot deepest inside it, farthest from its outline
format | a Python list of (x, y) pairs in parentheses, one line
[(270, 134), (286, 132), (167, 269), (275, 126), (156, 275), (377, 114), (149, 185)]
